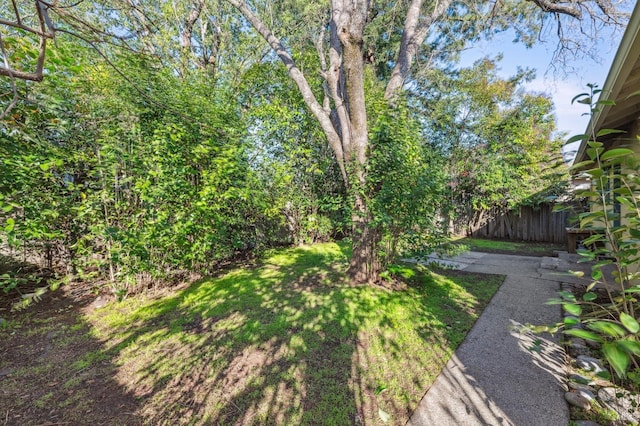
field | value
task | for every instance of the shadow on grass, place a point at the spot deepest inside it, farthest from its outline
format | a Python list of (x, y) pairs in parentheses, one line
[(289, 342), (42, 377)]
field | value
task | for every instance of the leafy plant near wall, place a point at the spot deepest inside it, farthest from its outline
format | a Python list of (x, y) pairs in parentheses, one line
[(614, 220)]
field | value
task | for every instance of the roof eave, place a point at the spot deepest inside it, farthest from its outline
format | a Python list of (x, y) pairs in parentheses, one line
[(620, 68)]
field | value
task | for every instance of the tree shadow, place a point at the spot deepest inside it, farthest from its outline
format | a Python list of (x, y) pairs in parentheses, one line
[(45, 373), (286, 342)]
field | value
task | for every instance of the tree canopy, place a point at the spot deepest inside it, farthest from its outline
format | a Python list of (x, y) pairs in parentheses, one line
[(176, 135)]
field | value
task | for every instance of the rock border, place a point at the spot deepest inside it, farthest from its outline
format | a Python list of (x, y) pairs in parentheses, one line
[(588, 391)]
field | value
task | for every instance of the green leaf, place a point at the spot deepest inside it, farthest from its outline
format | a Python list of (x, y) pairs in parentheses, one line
[(630, 346), (633, 94), (629, 322), (584, 221), (572, 308), (615, 153), (593, 239), (617, 357), (581, 95), (581, 164), (604, 132), (584, 334), (10, 223), (623, 190), (44, 167), (578, 274), (627, 202), (576, 138), (570, 321), (588, 297), (595, 173), (593, 153), (608, 328), (567, 295)]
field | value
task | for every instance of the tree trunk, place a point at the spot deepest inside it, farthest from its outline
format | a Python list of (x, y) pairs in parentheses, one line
[(349, 18), (364, 266), (345, 125)]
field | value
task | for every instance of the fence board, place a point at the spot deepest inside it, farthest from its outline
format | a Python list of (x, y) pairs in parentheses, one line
[(539, 224)]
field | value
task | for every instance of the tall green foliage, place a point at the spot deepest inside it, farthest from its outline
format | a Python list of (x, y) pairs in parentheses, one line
[(406, 181), (297, 169), (124, 180), (498, 140), (195, 144), (613, 220)]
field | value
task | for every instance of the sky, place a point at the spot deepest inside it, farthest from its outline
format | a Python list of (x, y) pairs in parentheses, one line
[(562, 87)]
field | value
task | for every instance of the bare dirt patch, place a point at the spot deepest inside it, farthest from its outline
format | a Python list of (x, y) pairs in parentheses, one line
[(45, 377)]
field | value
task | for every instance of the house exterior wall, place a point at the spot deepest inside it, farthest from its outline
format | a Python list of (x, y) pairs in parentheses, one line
[(631, 142), (629, 139), (634, 145)]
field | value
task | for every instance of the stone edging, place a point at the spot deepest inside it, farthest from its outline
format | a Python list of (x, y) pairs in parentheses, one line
[(588, 391)]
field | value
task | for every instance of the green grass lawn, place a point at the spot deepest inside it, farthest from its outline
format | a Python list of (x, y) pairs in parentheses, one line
[(289, 341), (532, 248)]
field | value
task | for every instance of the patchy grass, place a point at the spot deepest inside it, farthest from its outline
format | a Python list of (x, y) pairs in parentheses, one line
[(289, 341), (38, 381), (510, 247)]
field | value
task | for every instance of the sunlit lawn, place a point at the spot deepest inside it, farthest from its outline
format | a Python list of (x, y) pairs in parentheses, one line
[(533, 248), (289, 342)]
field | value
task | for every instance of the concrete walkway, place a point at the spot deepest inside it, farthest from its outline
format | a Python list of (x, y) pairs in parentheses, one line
[(494, 378)]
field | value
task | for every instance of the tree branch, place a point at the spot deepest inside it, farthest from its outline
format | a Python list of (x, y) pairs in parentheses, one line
[(45, 24), (563, 9), (12, 83), (413, 35), (336, 83), (300, 80), (326, 103), (194, 14)]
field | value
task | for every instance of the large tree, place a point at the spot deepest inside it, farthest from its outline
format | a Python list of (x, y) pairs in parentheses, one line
[(341, 108), (349, 35)]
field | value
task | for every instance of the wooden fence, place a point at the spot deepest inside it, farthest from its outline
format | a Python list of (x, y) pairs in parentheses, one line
[(540, 224)]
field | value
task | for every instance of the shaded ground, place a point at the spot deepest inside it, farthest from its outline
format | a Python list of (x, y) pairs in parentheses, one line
[(286, 342), (41, 378)]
